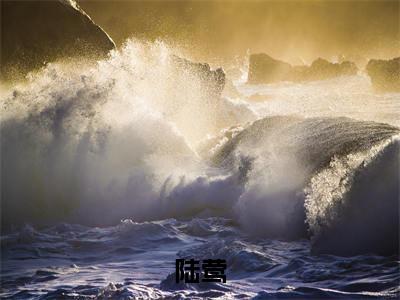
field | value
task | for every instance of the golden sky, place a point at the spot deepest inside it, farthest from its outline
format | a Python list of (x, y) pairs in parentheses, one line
[(290, 30)]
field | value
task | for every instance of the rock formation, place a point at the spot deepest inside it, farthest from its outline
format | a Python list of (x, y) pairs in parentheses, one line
[(265, 69), (322, 69), (35, 32), (385, 74), (213, 81)]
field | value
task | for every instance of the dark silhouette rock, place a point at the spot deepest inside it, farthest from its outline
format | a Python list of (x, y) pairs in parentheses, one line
[(35, 32), (322, 69), (358, 59), (213, 81), (385, 74), (265, 69)]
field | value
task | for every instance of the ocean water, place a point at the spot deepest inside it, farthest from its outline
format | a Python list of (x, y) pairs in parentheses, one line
[(111, 171)]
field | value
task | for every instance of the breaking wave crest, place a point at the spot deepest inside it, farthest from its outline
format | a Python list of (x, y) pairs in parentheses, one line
[(120, 140), (333, 179), (353, 205), (106, 143)]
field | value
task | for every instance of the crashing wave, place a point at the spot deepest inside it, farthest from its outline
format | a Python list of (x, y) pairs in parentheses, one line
[(99, 145), (324, 177)]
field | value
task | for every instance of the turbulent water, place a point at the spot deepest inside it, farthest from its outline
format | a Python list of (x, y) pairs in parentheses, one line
[(112, 171)]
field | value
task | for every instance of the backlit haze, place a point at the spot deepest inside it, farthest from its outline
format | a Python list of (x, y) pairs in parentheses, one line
[(295, 31)]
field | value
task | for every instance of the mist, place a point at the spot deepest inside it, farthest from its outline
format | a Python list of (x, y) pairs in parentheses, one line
[(295, 31)]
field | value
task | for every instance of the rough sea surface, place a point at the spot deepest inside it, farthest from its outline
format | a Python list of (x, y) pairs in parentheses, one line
[(136, 261), (112, 171)]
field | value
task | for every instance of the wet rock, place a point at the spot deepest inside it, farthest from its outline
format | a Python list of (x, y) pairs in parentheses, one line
[(322, 69), (265, 69), (384, 74), (213, 81), (35, 32)]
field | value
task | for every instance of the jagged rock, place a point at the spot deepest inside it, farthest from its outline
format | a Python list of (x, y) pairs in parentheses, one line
[(358, 59), (35, 32), (213, 81), (322, 69), (265, 69), (385, 74)]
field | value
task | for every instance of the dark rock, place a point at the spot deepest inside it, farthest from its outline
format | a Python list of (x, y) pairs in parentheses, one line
[(265, 69), (35, 32), (358, 59), (322, 69), (213, 81), (385, 74)]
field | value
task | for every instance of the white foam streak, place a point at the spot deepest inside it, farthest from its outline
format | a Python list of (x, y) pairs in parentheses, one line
[(327, 189)]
